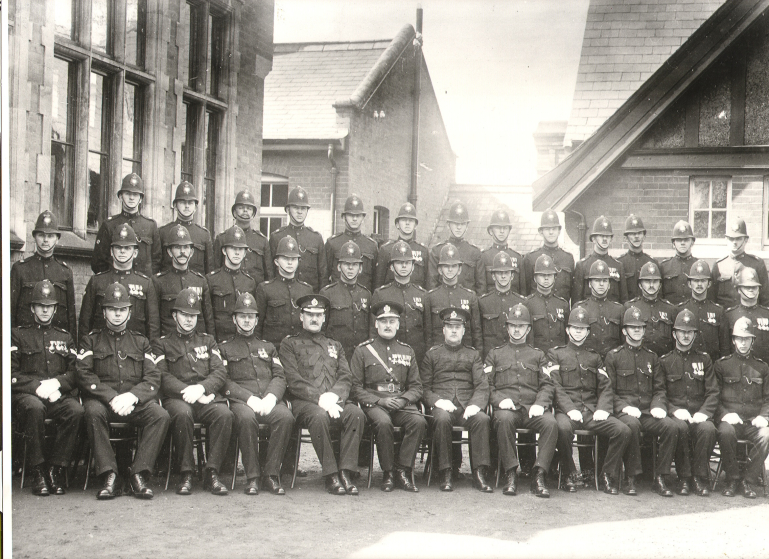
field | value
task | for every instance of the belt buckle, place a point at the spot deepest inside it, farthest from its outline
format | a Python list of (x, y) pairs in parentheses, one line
[(391, 388)]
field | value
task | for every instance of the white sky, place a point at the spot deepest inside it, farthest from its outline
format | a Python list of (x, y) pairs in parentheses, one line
[(498, 67)]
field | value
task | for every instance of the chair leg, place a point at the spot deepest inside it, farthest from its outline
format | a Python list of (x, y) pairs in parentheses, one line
[(237, 455), (372, 445), (170, 461), (430, 464), (499, 468), (595, 460), (296, 456), (560, 473), (23, 463), (654, 457), (88, 468)]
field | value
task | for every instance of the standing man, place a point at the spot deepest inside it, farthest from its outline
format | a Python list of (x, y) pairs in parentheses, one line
[(473, 275), (601, 236), (42, 383), (656, 312), (43, 266), (406, 223), (499, 229), (748, 289), (150, 254), (255, 388), (319, 382), (353, 216), (724, 291), (674, 279), (121, 385), (193, 374), (605, 316), (548, 312), (186, 204), (386, 383), (497, 304), (635, 257), (456, 391), (258, 260), (313, 267), (550, 230), (713, 336)]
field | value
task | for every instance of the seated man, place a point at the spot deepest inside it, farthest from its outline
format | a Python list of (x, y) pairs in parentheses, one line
[(319, 380), (456, 392), (743, 410), (255, 388), (42, 381), (385, 381), (521, 391), (192, 375), (119, 382)]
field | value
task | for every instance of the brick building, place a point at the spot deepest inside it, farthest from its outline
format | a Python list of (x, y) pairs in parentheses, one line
[(170, 89), (338, 119), (670, 120)]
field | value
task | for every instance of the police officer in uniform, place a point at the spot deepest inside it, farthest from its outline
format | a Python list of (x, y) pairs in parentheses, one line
[(548, 312), (640, 401), (692, 400), (456, 391), (605, 316), (313, 266), (276, 299), (348, 317), (473, 274), (713, 336), (144, 318), (412, 325), (42, 380), (584, 400), (499, 229), (550, 230), (150, 254), (674, 278), (635, 257), (319, 382), (178, 245), (724, 291), (405, 222), (42, 265), (743, 410), (601, 236), (657, 312), (258, 260), (353, 216), (496, 305), (186, 204), (386, 383), (255, 388), (193, 375), (749, 289), (229, 281), (522, 390), (119, 382)]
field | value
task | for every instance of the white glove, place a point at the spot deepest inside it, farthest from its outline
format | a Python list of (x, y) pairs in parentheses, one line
[(254, 403), (760, 421), (632, 411), (268, 402), (334, 411), (506, 404), (698, 417), (55, 395), (575, 415), (192, 393), (47, 387), (601, 415), (327, 399), (683, 415), (207, 399), (732, 418), (473, 409), (536, 410), (445, 405), (658, 413), (123, 404)]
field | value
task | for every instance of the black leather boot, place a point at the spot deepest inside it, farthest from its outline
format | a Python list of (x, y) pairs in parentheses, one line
[(54, 477), (609, 486), (108, 489), (346, 477), (700, 488), (630, 488), (445, 477), (185, 485), (684, 489), (388, 482), (139, 487), (252, 486), (511, 482), (661, 487), (747, 490), (334, 486), (213, 484), (479, 480), (39, 483), (403, 480), (538, 485), (272, 483), (731, 488)]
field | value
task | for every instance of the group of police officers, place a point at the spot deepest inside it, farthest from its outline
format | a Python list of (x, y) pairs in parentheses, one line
[(177, 328)]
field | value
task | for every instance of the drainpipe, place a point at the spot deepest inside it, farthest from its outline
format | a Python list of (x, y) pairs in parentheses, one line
[(333, 187), (581, 230), (415, 118)]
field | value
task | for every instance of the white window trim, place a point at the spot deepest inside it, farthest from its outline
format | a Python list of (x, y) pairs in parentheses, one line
[(765, 214), (272, 211), (728, 179)]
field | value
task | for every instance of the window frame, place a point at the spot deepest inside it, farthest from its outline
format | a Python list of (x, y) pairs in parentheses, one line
[(272, 212), (380, 223), (765, 214), (71, 143), (711, 178)]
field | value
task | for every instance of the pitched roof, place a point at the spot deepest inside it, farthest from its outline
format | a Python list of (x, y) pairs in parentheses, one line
[(561, 186), (625, 42)]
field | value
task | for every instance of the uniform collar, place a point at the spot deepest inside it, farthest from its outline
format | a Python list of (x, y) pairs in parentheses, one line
[(576, 347), (452, 347), (180, 272), (184, 335), (503, 293), (351, 233), (632, 348), (684, 258), (43, 258), (447, 286), (287, 280), (43, 326), (685, 353), (456, 241), (296, 227), (598, 299), (232, 271), (122, 272), (114, 334), (499, 246), (349, 286), (129, 215), (184, 222)]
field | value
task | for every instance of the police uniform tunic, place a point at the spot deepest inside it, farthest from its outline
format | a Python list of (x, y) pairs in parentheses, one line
[(112, 363), (444, 297), (25, 274), (368, 252), (617, 282), (313, 266), (605, 319), (638, 381), (517, 282), (723, 290), (419, 253), (714, 336), (675, 283), (185, 360), (144, 318), (582, 384), (744, 384), (225, 285), (691, 385), (473, 273), (632, 263), (314, 365), (150, 253), (348, 316), (658, 315), (564, 271), (759, 315), (278, 314), (412, 326), (258, 261), (40, 353), (521, 373), (455, 373), (168, 284), (495, 307), (202, 260), (396, 376), (254, 369), (549, 314)]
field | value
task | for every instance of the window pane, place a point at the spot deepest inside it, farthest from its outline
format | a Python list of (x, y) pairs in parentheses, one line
[(217, 36), (266, 188), (97, 176), (194, 44), (188, 133), (212, 143), (62, 168), (279, 195), (209, 58), (60, 100), (131, 167), (96, 112), (100, 24), (63, 17), (719, 194), (701, 195), (700, 225), (718, 228), (135, 23), (715, 112), (130, 122)]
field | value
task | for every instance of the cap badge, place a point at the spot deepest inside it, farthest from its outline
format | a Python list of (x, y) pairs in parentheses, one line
[(191, 300), (46, 290), (247, 301), (635, 221), (314, 302), (47, 219), (386, 309), (290, 245), (605, 223), (246, 196), (186, 189), (686, 318), (636, 314), (517, 312), (459, 209), (180, 233), (238, 234), (117, 294), (699, 268), (354, 202), (300, 194), (350, 250), (123, 233), (453, 314), (134, 180), (682, 228)]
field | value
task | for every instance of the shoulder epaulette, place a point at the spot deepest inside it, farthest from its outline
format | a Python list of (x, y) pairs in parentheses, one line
[(418, 287), (24, 326), (616, 349), (243, 271), (436, 346), (195, 273), (366, 342), (59, 329), (215, 272), (721, 259), (485, 295), (141, 274), (560, 347), (329, 286), (559, 297), (666, 301), (633, 300), (434, 289), (666, 354), (335, 236), (730, 309), (303, 282), (102, 273), (310, 229), (668, 259)]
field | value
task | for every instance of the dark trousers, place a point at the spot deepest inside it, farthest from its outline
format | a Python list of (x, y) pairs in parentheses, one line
[(247, 421), (153, 421), (217, 418), (727, 441), (612, 428), (318, 423), (664, 428), (695, 445), (478, 426), (382, 423), (31, 413), (507, 421)]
